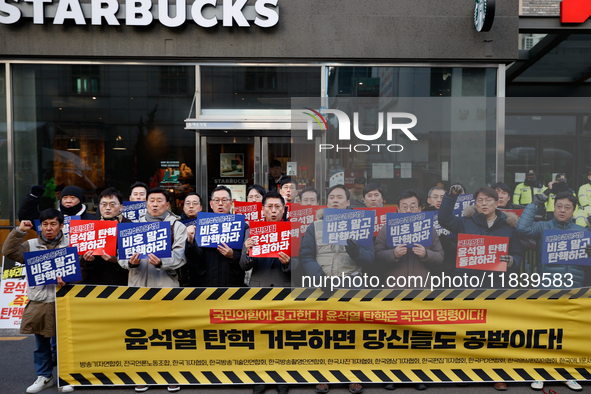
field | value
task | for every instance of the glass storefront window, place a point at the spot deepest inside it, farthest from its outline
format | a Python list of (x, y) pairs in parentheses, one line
[(96, 126), (256, 88)]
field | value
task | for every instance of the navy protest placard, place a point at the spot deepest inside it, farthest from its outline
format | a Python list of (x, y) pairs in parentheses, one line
[(440, 230), (215, 228), (463, 201), (134, 210), (339, 225), (144, 238), (43, 267), (189, 222), (565, 247), (410, 228)]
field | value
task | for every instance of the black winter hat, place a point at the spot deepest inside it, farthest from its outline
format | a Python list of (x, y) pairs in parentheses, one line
[(72, 191)]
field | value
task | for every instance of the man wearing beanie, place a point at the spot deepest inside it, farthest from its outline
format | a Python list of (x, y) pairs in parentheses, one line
[(70, 204)]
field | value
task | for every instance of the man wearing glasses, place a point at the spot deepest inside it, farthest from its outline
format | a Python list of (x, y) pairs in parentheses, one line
[(564, 207), (215, 267), (288, 190), (434, 198), (192, 206), (483, 218), (105, 270)]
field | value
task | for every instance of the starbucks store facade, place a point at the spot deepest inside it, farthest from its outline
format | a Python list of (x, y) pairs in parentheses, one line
[(98, 96)]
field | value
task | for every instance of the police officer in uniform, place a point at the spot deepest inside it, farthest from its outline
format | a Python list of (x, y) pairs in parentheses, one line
[(524, 192)]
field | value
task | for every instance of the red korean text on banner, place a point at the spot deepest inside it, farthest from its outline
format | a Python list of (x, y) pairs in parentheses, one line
[(270, 239), (301, 216), (517, 212), (482, 252), (253, 211), (95, 235), (381, 213)]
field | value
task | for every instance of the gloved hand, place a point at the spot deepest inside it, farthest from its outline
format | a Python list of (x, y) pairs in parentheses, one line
[(588, 250), (352, 248), (455, 190), (508, 259), (37, 191), (540, 199)]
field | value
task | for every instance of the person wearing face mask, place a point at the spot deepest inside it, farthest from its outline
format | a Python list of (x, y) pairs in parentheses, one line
[(525, 191), (559, 185), (70, 204)]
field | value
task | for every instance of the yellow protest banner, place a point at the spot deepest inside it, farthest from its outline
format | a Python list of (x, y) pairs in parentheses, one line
[(122, 335)]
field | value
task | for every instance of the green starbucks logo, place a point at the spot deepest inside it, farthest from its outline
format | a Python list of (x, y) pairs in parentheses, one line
[(484, 14)]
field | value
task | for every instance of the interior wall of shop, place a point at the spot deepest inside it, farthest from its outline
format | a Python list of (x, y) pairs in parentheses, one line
[(308, 29)]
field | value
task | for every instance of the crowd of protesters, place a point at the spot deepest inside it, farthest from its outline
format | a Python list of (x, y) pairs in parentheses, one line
[(554, 206)]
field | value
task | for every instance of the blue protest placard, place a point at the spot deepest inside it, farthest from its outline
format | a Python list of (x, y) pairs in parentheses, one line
[(339, 225), (144, 238), (134, 210), (440, 230), (43, 267), (189, 222), (565, 247), (65, 230), (410, 228), (215, 228), (463, 201)]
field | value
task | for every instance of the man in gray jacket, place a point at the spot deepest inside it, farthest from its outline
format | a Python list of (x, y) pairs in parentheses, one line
[(39, 314), (154, 271)]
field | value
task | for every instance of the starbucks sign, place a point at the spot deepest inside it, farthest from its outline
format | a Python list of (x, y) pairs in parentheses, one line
[(484, 14)]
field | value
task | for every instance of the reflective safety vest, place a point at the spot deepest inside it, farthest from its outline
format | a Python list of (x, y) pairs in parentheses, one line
[(585, 195), (523, 194), (581, 214)]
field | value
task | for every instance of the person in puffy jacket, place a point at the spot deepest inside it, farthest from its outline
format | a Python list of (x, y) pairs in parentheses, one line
[(564, 208)]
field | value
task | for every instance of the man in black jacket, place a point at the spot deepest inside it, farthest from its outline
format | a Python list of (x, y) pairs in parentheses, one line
[(106, 269), (70, 204), (214, 267)]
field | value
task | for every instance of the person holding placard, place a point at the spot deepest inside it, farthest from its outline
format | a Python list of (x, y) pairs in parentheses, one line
[(39, 314), (267, 272), (319, 260), (154, 271), (215, 267), (106, 270), (483, 218), (407, 260), (564, 207)]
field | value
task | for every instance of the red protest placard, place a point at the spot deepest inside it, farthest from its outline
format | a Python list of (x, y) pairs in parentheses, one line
[(301, 216), (95, 235), (517, 212), (482, 252), (253, 211), (270, 238), (381, 213)]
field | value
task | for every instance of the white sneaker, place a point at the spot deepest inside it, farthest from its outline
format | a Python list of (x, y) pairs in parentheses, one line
[(67, 389), (573, 385), (142, 388), (40, 384), (537, 385)]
